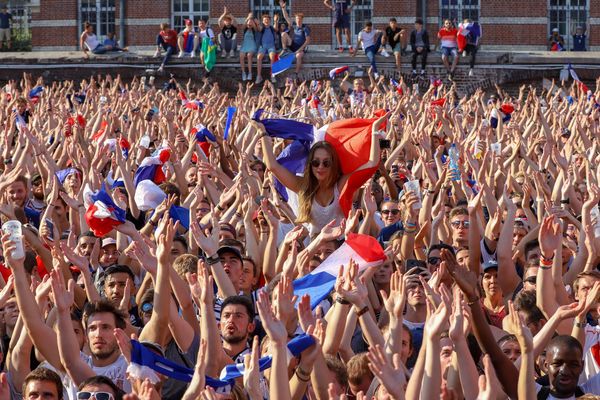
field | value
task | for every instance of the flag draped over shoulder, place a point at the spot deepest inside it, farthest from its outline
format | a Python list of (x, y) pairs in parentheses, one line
[(209, 50), (469, 31), (365, 250)]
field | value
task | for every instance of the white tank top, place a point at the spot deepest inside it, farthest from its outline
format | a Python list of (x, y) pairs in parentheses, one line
[(91, 41), (322, 215)]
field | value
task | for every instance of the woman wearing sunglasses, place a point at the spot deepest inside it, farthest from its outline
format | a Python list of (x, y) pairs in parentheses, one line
[(320, 186)]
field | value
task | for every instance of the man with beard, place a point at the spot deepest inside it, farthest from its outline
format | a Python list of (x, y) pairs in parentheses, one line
[(99, 320), (564, 357), (17, 197), (37, 201)]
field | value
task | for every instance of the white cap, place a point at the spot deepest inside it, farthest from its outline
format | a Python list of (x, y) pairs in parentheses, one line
[(148, 195)]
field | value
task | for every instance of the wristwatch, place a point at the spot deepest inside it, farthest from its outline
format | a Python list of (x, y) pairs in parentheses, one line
[(214, 259)]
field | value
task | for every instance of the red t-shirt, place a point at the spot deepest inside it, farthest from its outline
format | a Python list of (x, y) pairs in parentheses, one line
[(170, 37)]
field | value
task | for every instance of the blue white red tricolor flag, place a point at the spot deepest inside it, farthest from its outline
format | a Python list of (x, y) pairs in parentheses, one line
[(191, 104), (338, 71), (506, 111), (397, 86), (102, 214), (35, 93), (203, 135), (283, 64), (468, 33), (151, 168), (365, 250)]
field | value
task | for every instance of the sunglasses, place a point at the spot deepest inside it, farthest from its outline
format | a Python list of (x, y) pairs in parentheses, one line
[(317, 163), (433, 260), (393, 212), (456, 224), (147, 307), (531, 280), (95, 395)]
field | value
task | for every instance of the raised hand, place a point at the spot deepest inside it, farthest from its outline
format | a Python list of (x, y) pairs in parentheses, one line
[(395, 301), (8, 247), (550, 236), (274, 327), (62, 295), (392, 377), (522, 332), (208, 243), (252, 372), (465, 279)]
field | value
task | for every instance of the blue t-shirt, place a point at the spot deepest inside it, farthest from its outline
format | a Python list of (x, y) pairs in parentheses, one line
[(386, 233), (300, 34), (579, 42), (33, 216), (5, 20), (268, 38), (110, 42), (340, 7)]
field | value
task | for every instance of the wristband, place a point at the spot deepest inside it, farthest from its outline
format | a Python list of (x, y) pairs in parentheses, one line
[(470, 303), (564, 201), (343, 301), (214, 259), (410, 224), (155, 224), (547, 260), (306, 378), (362, 311), (580, 324), (218, 207)]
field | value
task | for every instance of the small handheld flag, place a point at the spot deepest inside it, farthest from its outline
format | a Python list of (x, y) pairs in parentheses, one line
[(338, 71), (103, 215), (35, 93)]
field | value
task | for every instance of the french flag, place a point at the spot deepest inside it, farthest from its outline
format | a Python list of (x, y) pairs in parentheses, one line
[(35, 93), (203, 135), (191, 104), (557, 47), (439, 102), (582, 85), (471, 30), (99, 132), (365, 250), (338, 71), (125, 147), (151, 168), (102, 214), (283, 64), (315, 106), (350, 138), (397, 86), (506, 111)]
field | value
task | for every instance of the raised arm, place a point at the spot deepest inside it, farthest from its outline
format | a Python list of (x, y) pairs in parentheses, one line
[(288, 179)]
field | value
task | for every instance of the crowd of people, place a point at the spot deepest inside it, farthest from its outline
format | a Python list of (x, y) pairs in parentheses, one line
[(156, 240)]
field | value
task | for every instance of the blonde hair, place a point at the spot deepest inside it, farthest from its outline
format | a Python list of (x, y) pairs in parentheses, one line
[(309, 184)]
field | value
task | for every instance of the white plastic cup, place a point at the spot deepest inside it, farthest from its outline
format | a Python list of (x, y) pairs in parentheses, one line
[(414, 186), (13, 228)]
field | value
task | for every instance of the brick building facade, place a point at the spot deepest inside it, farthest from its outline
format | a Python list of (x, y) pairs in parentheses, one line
[(507, 24)]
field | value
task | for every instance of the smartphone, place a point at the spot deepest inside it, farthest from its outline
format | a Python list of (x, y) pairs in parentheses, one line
[(412, 263), (258, 199), (385, 143), (394, 169), (50, 228)]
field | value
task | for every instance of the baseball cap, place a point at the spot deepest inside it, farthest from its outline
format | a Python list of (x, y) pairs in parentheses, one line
[(188, 21), (555, 30), (108, 242), (229, 249), (490, 264)]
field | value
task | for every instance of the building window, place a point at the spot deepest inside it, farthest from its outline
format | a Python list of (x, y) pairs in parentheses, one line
[(360, 13), (194, 10), (99, 13), (459, 10), (566, 15), (271, 7), (21, 24)]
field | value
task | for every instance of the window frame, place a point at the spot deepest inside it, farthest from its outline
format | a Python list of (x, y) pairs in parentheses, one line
[(177, 17), (461, 9), (99, 9), (568, 8)]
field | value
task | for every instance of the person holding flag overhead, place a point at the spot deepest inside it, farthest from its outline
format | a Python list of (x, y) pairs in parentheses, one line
[(331, 174)]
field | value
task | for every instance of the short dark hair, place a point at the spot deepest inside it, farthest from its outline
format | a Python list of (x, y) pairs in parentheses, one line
[(46, 375), (181, 239), (393, 19), (565, 340), (458, 211), (119, 268), (170, 188), (440, 246), (102, 380), (368, 23), (529, 246), (103, 306), (419, 21), (240, 300)]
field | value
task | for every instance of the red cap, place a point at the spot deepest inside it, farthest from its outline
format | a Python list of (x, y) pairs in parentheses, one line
[(188, 21)]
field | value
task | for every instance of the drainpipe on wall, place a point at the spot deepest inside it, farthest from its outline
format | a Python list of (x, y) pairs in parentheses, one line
[(424, 12), (122, 22), (79, 27)]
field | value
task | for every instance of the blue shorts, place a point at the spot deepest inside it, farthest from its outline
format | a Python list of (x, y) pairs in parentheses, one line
[(341, 21), (397, 48), (449, 51), (262, 50)]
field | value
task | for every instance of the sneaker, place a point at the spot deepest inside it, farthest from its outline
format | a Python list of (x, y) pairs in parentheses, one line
[(351, 50), (192, 54), (259, 80), (249, 76), (284, 53), (340, 50), (414, 72), (181, 54), (223, 54), (160, 69), (232, 54), (422, 72), (157, 54), (244, 77), (385, 53), (376, 75), (464, 53), (449, 76), (471, 72)]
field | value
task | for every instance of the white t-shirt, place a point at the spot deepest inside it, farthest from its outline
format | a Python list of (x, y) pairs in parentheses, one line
[(591, 366), (367, 38), (116, 372), (591, 386)]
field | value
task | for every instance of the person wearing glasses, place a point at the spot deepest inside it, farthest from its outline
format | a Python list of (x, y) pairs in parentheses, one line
[(98, 387), (459, 222), (319, 188)]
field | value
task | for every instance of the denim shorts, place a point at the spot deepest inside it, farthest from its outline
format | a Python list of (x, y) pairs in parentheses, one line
[(397, 48), (263, 50), (100, 49), (449, 51)]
